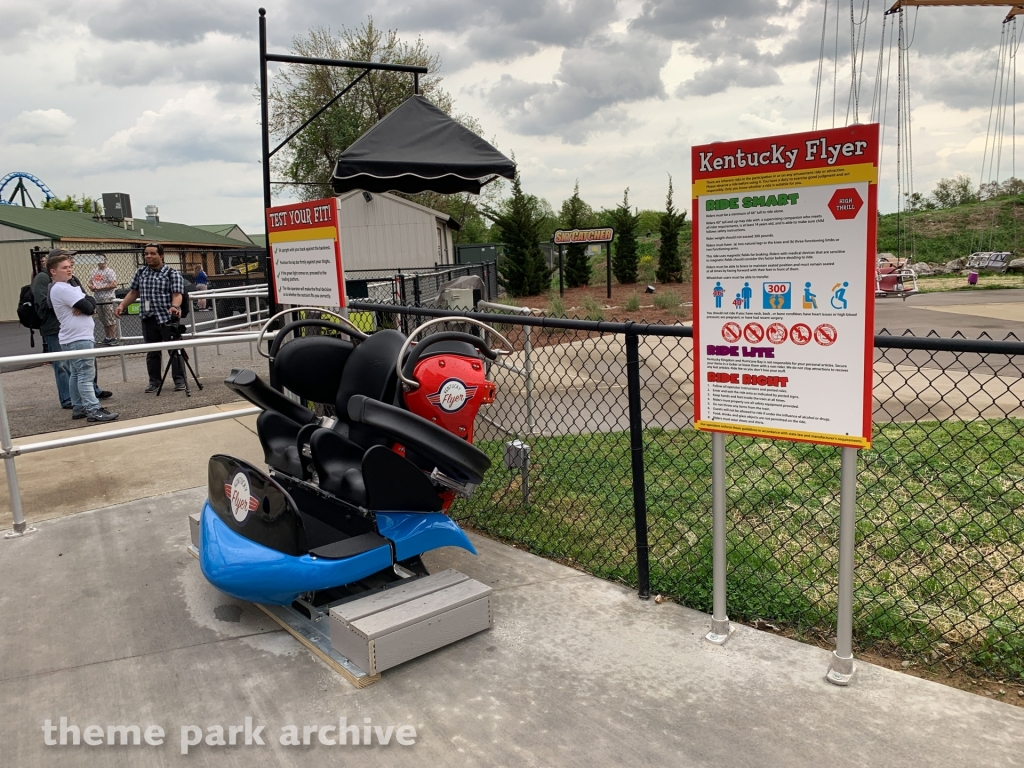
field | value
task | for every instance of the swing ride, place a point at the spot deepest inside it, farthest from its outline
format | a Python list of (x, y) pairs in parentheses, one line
[(895, 275)]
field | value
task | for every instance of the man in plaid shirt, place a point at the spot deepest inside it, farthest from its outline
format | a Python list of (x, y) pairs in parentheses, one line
[(160, 290)]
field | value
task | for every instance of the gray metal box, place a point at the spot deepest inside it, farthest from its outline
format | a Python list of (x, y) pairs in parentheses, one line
[(117, 206), (193, 528), (390, 627)]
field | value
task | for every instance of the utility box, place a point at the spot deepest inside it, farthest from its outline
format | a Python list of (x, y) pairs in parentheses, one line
[(117, 206), (517, 455), (460, 298)]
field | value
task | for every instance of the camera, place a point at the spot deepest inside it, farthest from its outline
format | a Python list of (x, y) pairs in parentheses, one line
[(172, 330)]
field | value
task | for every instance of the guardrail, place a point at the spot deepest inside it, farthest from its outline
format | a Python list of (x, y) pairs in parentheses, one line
[(8, 451)]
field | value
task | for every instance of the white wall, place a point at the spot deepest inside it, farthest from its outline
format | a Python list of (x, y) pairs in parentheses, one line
[(15, 271), (387, 233)]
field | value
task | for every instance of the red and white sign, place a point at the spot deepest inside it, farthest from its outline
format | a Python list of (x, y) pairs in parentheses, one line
[(783, 256), (305, 251), (731, 332), (777, 333)]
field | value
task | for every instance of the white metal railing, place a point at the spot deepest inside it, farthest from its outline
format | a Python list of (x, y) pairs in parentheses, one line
[(8, 450)]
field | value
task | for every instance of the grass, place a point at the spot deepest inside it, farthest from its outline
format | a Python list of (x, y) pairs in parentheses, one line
[(633, 303), (666, 300), (940, 529), (593, 310)]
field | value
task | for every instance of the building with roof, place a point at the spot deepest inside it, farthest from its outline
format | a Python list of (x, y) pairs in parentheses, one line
[(233, 231), (22, 229), (384, 231)]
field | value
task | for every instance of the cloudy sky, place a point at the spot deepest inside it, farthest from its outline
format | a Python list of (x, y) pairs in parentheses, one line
[(156, 99)]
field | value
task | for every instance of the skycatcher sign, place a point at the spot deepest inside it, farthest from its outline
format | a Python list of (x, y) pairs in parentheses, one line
[(783, 264)]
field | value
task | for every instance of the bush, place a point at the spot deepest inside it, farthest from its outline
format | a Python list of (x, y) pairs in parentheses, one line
[(667, 300), (633, 303)]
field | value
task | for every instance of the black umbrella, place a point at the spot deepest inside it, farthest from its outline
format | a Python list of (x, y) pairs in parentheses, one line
[(418, 148)]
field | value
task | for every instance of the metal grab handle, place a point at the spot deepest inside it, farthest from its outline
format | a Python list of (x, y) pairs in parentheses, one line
[(412, 383), (357, 332)]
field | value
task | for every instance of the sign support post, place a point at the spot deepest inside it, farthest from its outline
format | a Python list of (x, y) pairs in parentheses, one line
[(583, 237), (841, 670), (721, 629), (561, 271)]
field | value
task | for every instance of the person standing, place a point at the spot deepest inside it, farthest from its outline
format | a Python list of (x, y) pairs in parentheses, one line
[(160, 290), (50, 329), (102, 283), (74, 311), (202, 284)]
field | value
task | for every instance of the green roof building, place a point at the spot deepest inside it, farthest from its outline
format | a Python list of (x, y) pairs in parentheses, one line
[(23, 228)]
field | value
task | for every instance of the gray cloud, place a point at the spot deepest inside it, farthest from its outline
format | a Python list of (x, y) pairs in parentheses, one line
[(502, 30), (589, 87), (728, 72), (185, 21), (223, 60), (40, 126)]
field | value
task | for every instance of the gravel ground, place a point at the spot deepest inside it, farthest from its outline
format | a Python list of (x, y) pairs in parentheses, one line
[(33, 409)]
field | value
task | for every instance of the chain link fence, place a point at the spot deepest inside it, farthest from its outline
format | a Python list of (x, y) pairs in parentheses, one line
[(939, 576)]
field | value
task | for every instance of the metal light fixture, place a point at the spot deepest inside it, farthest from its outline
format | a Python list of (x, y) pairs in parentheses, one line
[(367, 196)]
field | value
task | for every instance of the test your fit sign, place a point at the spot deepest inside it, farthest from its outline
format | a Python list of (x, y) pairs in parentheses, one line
[(306, 254), (783, 265)]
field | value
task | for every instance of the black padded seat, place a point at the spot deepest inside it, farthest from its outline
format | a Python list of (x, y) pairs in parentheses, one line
[(312, 366), (279, 437)]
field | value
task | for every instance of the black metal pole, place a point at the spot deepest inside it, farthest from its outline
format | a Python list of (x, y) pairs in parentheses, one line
[(416, 83), (608, 266), (636, 448), (561, 282), (265, 136)]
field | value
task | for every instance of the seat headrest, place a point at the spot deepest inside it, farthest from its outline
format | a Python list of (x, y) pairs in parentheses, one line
[(312, 366)]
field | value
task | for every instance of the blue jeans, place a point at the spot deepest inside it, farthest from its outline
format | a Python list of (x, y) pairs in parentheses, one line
[(62, 373), (83, 379)]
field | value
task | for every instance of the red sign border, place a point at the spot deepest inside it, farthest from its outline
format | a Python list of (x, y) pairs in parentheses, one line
[(871, 132), (310, 204)]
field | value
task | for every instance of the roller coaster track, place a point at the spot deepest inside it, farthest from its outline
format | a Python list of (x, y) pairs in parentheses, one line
[(20, 187)]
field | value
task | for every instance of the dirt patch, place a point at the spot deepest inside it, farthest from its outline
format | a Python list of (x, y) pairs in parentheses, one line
[(676, 300)]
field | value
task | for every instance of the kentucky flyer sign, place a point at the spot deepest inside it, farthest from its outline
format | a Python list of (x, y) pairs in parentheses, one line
[(783, 265)]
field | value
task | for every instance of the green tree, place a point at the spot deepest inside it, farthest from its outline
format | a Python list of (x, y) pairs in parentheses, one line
[(670, 265), (959, 190), (625, 261), (72, 203), (520, 221), (576, 214), (298, 91)]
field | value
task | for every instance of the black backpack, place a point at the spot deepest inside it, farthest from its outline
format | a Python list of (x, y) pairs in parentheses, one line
[(27, 314)]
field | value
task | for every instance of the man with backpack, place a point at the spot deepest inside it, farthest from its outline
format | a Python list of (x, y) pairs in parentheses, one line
[(160, 291), (49, 329), (74, 311)]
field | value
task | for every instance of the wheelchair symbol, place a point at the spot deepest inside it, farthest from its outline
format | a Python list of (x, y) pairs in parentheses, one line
[(838, 299)]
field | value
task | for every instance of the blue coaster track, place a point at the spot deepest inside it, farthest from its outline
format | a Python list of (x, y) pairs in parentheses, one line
[(20, 177)]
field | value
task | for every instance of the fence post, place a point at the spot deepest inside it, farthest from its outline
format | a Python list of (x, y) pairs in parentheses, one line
[(636, 447), (416, 290), (20, 528), (528, 367)]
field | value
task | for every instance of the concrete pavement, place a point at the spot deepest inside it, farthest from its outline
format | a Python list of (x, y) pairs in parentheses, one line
[(108, 621)]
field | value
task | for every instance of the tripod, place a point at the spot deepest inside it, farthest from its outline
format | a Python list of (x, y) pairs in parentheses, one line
[(172, 355)]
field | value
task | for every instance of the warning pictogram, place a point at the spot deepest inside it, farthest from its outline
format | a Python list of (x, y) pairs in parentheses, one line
[(800, 333), (753, 332), (845, 203), (777, 333), (825, 335), (731, 332)]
